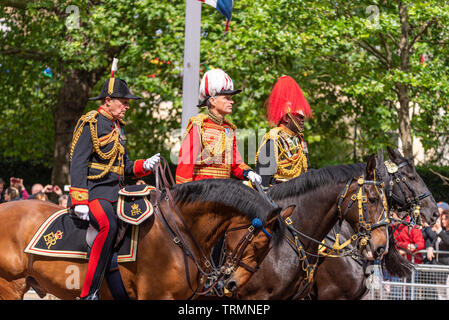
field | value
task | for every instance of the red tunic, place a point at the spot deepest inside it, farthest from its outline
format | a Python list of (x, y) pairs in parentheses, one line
[(209, 151)]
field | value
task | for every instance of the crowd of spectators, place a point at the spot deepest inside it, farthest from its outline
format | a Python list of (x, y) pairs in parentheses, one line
[(424, 245), (412, 240), (16, 190)]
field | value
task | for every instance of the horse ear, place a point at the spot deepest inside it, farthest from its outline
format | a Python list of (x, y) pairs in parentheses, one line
[(394, 153), (287, 212), (380, 166), (283, 213), (380, 155), (370, 167)]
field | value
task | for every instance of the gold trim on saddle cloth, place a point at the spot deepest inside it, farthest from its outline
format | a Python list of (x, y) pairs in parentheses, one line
[(138, 206), (51, 238)]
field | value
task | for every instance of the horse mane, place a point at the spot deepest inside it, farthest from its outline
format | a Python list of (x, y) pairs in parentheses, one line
[(227, 192), (394, 263), (315, 178)]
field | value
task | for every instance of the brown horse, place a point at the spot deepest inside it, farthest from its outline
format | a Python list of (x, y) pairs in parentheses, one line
[(209, 208), (288, 268)]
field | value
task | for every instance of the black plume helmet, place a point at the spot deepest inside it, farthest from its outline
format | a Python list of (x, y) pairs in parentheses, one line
[(115, 88)]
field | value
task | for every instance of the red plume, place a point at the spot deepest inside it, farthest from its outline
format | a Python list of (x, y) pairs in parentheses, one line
[(286, 96)]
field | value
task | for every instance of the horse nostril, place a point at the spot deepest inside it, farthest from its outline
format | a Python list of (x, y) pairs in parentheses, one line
[(231, 285)]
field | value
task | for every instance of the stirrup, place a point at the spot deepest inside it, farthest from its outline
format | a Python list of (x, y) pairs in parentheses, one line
[(92, 296)]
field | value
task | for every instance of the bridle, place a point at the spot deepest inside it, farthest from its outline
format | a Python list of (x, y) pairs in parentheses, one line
[(230, 261), (363, 235), (365, 228), (212, 275), (410, 204), (234, 259)]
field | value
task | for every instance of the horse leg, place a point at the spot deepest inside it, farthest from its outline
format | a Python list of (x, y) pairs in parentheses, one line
[(13, 290)]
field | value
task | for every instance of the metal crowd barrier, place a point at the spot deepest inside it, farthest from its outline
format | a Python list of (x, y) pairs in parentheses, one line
[(427, 282)]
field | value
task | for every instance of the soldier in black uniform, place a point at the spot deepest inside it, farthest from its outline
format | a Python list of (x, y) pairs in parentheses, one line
[(99, 162)]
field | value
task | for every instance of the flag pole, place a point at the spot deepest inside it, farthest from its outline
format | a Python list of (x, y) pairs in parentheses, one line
[(191, 75)]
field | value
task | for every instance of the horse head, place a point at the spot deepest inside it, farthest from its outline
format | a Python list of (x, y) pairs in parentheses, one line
[(247, 245), (371, 216), (406, 191)]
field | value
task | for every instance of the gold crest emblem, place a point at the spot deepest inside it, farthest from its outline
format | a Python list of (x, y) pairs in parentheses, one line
[(51, 238), (135, 210)]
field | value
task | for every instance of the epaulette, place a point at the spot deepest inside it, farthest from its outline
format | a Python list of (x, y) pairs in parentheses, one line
[(229, 123), (89, 117), (270, 135), (195, 120)]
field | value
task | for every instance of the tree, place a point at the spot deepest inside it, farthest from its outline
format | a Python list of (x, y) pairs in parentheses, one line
[(77, 42), (359, 64), (390, 59)]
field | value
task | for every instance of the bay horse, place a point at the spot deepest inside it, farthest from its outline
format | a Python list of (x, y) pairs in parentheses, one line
[(162, 269), (318, 194), (346, 277)]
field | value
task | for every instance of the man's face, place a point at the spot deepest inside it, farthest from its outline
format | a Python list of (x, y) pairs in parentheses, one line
[(299, 119), (294, 122), (116, 107), (222, 105)]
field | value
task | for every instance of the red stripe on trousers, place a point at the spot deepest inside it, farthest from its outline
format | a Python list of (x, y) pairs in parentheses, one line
[(98, 244)]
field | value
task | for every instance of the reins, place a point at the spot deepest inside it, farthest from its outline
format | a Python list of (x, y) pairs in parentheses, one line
[(211, 274), (175, 232)]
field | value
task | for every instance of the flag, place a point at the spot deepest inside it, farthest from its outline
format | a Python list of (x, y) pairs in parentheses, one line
[(223, 6)]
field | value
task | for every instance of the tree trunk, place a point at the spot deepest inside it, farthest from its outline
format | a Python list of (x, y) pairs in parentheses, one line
[(72, 99), (405, 129)]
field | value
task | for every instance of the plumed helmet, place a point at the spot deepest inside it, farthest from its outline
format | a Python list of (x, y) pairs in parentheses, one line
[(286, 96), (216, 82), (119, 88)]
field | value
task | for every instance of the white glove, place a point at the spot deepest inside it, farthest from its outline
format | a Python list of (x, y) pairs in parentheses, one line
[(150, 162), (254, 177), (82, 211)]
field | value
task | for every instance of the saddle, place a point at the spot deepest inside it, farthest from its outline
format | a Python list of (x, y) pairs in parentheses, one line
[(65, 235)]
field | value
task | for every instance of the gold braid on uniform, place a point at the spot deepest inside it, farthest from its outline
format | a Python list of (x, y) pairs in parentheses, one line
[(286, 166), (209, 151), (116, 151), (297, 166)]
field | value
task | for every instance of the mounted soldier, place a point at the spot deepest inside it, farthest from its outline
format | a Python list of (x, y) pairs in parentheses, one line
[(99, 163), (283, 153), (209, 147)]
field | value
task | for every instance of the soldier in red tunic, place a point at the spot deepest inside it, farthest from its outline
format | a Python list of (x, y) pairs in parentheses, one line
[(209, 148)]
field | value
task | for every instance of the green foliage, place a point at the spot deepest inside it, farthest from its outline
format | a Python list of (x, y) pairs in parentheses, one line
[(435, 184), (345, 56)]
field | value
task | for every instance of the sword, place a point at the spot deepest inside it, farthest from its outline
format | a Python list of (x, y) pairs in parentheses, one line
[(266, 197)]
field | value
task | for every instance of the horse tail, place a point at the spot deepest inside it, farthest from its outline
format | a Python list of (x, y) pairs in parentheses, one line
[(395, 264)]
